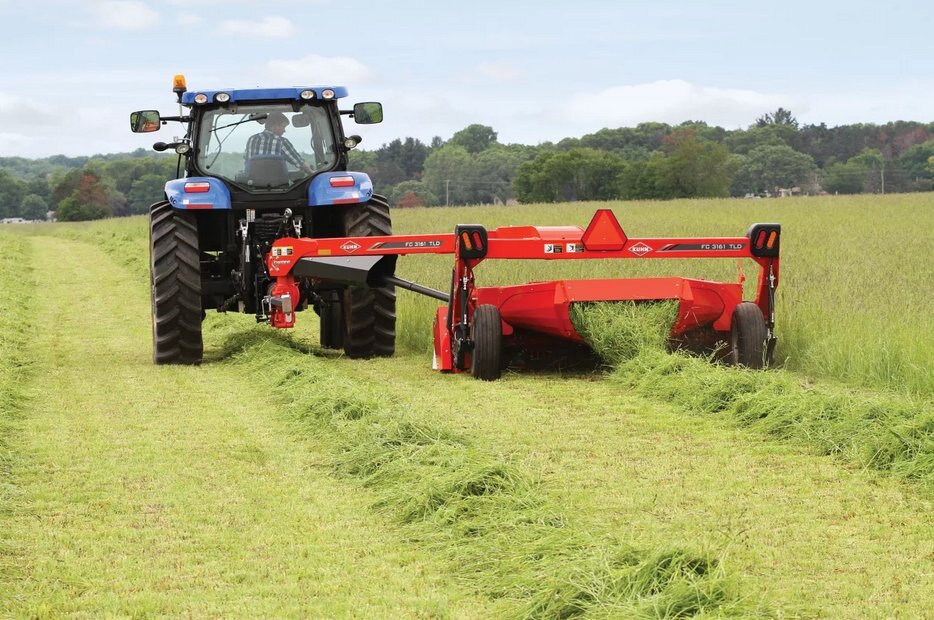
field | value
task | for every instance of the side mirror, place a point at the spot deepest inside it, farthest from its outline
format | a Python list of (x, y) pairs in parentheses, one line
[(368, 113), (145, 121)]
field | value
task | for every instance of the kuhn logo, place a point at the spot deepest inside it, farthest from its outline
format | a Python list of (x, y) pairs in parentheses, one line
[(640, 249), (350, 247)]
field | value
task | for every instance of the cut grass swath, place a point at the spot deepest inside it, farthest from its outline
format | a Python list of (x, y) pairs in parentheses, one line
[(482, 512), (890, 433)]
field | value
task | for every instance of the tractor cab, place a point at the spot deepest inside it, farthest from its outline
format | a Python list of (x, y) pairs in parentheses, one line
[(265, 147), (261, 140)]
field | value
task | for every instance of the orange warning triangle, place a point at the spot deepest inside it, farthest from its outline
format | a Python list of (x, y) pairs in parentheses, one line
[(604, 233)]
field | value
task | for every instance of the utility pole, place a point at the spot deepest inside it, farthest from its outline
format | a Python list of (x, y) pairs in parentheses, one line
[(882, 172), (447, 192)]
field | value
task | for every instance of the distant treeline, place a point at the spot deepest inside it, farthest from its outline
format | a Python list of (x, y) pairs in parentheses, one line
[(773, 156)]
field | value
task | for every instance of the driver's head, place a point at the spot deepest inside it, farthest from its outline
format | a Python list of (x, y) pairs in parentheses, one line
[(276, 122)]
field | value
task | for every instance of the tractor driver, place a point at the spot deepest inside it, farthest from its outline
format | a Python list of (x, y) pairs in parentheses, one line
[(270, 142)]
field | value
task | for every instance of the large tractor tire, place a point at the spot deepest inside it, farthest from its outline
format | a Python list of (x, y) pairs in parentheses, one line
[(748, 335), (486, 332), (175, 277), (369, 313)]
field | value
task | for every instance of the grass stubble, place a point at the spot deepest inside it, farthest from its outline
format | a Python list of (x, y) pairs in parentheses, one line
[(15, 367)]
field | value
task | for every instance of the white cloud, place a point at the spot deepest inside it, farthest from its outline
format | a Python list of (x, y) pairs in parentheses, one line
[(315, 69), (503, 72), (123, 15), (269, 27), (188, 19), (671, 101)]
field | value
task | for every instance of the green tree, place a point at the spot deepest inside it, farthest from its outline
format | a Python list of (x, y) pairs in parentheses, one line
[(449, 173), (577, 174), (90, 200), (145, 191), (414, 188), (769, 167), (781, 116), (693, 168), (33, 207), (474, 138), (915, 160), (12, 192)]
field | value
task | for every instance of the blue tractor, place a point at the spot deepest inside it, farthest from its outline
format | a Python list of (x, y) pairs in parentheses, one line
[(257, 165)]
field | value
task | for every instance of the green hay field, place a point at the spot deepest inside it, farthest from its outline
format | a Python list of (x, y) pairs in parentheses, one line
[(280, 479)]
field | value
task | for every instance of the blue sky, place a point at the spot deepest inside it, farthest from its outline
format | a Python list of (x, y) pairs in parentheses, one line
[(534, 71)]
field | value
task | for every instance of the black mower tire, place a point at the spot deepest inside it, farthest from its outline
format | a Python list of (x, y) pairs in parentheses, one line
[(369, 314), (486, 332), (748, 335), (175, 279)]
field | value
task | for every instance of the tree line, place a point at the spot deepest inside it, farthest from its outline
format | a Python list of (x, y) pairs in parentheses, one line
[(649, 161)]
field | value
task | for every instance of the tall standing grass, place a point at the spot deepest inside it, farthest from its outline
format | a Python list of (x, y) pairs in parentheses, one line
[(854, 299)]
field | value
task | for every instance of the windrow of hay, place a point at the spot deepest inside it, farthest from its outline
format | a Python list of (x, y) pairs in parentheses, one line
[(621, 330), (15, 300), (891, 433), (481, 512)]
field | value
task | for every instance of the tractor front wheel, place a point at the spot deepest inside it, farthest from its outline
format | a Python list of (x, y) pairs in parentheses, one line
[(369, 313), (748, 335), (175, 277), (486, 332)]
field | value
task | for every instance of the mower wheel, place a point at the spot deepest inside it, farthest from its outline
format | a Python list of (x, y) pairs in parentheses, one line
[(175, 279), (486, 332), (369, 313), (748, 336), (332, 322)]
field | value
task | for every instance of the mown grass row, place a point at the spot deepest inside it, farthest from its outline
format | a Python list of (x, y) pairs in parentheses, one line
[(481, 512), (16, 294), (886, 432)]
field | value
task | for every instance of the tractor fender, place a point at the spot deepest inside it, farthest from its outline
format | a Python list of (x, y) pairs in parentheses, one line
[(334, 188), (197, 193)]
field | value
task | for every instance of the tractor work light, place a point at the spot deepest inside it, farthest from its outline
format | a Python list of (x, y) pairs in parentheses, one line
[(197, 187), (351, 142), (327, 93), (181, 148), (222, 97), (201, 98), (307, 94)]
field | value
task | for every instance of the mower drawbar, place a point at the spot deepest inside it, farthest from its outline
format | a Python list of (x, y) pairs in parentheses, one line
[(478, 324)]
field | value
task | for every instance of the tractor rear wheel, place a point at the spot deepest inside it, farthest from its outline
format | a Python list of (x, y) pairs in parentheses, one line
[(369, 313), (748, 336), (486, 332), (175, 278)]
